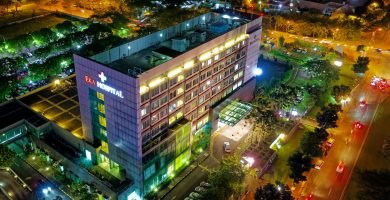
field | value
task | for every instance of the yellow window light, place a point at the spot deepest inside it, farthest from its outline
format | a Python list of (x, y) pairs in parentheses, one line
[(179, 103), (215, 50), (179, 114), (221, 48), (205, 56), (241, 37), (229, 43), (180, 77), (189, 64), (143, 89), (155, 82), (174, 72), (180, 90)]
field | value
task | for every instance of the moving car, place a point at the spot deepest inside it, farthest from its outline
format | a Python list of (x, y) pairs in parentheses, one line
[(340, 167), (318, 164), (358, 125), (330, 142), (227, 147)]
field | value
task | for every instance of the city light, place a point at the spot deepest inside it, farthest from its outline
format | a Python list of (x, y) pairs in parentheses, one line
[(56, 82), (45, 191), (258, 71), (294, 113), (338, 63)]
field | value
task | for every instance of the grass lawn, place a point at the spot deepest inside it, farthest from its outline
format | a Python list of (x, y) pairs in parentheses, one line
[(280, 170), (371, 156), (30, 26), (273, 72)]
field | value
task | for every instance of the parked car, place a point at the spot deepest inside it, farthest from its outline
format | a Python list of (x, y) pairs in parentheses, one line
[(205, 184), (195, 195), (200, 189)]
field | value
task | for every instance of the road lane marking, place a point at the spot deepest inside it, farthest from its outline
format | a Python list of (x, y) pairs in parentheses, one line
[(360, 150), (330, 191)]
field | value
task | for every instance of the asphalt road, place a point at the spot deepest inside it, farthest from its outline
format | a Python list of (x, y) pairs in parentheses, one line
[(13, 189), (36, 181), (326, 183)]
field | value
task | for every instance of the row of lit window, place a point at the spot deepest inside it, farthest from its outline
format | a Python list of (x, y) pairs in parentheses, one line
[(204, 57)]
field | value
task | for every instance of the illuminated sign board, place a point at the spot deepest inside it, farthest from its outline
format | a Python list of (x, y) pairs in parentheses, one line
[(100, 84)]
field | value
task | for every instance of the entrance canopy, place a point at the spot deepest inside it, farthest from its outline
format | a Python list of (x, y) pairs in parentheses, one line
[(234, 112)]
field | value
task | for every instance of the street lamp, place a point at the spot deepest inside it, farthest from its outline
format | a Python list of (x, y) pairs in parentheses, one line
[(338, 63), (337, 30), (260, 4), (258, 71), (373, 36)]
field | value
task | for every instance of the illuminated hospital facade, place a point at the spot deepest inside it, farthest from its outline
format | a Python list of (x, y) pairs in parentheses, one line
[(143, 102)]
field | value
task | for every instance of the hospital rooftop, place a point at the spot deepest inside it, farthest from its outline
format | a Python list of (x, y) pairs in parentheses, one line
[(140, 55)]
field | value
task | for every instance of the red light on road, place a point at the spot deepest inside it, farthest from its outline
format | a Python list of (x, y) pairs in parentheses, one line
[(309, 197), (363, 103), (358, 125)]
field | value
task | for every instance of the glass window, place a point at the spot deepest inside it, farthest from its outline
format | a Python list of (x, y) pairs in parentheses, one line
[(180, 90), (155, 104), (104, 147), (100, 96), (101, 108), (143, 112), (172, 119), (102, 121), (163, 100), (103, 131), (154, 118), (180, 78), (179, 115)]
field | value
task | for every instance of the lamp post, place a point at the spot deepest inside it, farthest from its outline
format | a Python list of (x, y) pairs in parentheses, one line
[(260, 5), (373, 36), (337, 30)]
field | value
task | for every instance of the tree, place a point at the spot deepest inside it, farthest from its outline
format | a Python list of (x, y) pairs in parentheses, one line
[(361, 65), (226, 180), (66, 27), (321, 70), (311, 142), (298, 164), (328, 117), (361, 48), (281, 41), (6, 4), (340, 91), (270, 191), (286, 96), (7, 156)]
